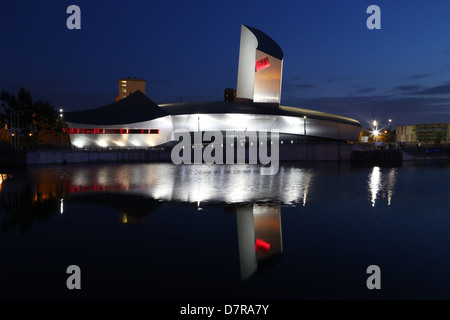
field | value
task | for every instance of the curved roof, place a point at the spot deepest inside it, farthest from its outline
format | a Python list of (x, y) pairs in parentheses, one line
[(137, 107), (251, 108), (266, 44)]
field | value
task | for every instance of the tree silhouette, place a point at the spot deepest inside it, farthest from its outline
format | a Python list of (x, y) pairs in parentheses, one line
[(27, 117)]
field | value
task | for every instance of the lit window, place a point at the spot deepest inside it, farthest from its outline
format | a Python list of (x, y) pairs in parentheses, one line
[(124, 84), (124, 81), (124, 90)]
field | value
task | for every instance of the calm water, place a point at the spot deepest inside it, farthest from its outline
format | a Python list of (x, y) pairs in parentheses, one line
[(161, 231)]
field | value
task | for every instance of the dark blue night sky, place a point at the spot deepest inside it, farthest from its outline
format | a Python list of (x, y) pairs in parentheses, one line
[(189, 50)]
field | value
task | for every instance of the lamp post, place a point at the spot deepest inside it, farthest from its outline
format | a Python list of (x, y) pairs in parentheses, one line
[(304, 126), (390, 132), (61, 115), (12, 128)]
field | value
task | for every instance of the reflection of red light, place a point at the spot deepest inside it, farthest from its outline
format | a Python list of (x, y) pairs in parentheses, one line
[(262, 64), (262, 246), (96, 187)]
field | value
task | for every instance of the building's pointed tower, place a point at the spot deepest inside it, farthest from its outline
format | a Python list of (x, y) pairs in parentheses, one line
[(260, 67)]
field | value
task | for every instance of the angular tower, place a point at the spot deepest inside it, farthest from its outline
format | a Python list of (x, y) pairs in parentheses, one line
[(260, 67)]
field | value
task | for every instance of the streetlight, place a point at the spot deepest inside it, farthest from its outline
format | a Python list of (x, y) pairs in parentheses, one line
[(390, 132), (61, 116), (304, 126), (375, 130)]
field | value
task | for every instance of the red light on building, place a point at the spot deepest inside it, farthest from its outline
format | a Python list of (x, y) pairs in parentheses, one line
[(262, 64), (262, 246), (109, 131)]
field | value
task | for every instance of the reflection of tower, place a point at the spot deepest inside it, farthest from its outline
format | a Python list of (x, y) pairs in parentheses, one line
[(259, 233), (125, 218)]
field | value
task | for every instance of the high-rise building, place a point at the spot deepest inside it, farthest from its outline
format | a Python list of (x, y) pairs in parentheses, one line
[(129, 85)]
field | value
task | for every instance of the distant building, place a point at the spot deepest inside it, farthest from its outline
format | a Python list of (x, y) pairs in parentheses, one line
[(129, 85), (424, 133), (230, 95)]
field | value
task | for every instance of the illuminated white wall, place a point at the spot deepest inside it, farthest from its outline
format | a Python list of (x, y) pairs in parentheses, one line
[(209, 122), (246, 69)]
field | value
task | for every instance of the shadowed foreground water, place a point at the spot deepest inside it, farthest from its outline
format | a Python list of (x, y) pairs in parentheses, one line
[(161, 231)]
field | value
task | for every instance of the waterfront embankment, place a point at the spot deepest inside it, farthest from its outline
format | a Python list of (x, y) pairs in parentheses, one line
[(355, 153)]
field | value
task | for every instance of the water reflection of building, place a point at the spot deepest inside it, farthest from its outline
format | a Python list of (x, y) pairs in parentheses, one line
[(259, 233), (135, 191), (126, 218), (381, 184), (24, 199), (195, 184), (3, 177)]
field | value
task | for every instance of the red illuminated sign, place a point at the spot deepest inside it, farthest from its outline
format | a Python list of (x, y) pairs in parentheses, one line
[(262, 246), (262, 64)]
